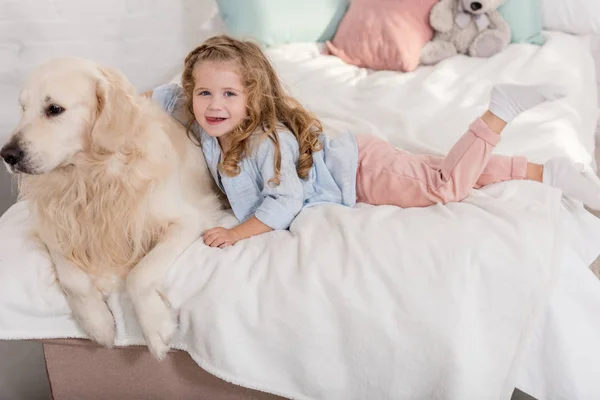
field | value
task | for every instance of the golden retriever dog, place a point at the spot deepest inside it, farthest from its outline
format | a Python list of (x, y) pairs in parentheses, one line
[(116, 188)]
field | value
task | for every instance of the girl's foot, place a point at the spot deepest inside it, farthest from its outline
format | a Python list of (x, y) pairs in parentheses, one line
[(574, 179), (508, 100)]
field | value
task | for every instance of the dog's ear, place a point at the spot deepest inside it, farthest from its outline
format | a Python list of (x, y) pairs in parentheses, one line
[(115, 109)]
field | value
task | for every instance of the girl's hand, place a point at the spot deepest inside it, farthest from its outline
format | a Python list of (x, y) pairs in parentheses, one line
[(220, 237)]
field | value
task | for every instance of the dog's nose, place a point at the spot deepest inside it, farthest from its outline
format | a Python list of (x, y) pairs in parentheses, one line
[(476, 6), (12, 154)]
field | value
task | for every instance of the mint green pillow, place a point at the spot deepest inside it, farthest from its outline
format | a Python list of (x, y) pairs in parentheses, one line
[(525, 20), (274, 22)]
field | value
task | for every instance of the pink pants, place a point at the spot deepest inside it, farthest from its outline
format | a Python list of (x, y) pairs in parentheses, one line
[(387, 175)]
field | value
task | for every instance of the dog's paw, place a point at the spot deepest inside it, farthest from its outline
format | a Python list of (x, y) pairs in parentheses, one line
[(104, 337), (158, 343), (158, 333), (155, 317), (157, 347), (97, 322)]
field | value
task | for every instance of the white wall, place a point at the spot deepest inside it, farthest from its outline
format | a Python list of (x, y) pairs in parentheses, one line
[(146, 39)]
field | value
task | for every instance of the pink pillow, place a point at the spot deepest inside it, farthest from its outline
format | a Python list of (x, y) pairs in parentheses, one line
[(383, 34)]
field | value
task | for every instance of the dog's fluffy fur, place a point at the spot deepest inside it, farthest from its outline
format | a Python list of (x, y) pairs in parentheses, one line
[(116, 188)]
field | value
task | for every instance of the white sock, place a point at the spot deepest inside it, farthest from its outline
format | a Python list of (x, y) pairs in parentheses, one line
[(574, 179), (508, 100)]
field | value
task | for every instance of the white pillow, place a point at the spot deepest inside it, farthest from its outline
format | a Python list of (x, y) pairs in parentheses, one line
[(578, 17)]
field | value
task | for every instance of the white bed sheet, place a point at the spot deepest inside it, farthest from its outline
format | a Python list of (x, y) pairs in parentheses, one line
[(370, 302), (427, 110), (424, 111)]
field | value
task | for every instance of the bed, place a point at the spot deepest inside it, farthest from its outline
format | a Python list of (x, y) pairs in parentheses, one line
[(507, 297)]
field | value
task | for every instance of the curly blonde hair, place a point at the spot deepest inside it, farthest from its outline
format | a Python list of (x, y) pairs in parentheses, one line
[(268, 104)]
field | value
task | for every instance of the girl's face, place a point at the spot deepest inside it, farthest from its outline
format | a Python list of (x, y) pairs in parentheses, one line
[(219, 98)]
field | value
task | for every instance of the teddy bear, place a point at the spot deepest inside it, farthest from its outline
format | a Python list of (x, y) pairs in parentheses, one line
[(473, 27)]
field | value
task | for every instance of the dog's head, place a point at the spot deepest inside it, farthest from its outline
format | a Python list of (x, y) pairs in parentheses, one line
[(68, 105), (480, 6)]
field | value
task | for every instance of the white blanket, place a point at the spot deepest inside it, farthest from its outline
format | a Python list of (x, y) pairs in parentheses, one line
[(372, 302), (378, 302)]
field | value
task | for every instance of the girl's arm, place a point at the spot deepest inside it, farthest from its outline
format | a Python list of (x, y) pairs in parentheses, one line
[(223, 237), (172, 99), (251, 227), (281, 203)]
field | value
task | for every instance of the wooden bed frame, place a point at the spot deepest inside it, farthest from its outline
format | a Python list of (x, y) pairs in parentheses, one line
[(80, 369)]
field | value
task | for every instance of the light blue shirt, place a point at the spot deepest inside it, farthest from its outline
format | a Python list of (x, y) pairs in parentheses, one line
[(332, 178)]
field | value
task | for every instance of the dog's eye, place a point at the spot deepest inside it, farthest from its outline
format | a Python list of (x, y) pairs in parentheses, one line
[(53, 110)]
